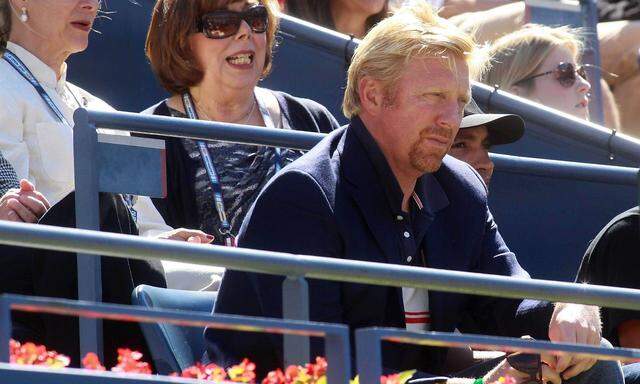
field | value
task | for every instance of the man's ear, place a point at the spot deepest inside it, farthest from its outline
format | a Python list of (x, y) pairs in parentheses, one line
[(371, 95)]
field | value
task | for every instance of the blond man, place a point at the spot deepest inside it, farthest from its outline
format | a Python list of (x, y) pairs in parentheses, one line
[(382, 190)]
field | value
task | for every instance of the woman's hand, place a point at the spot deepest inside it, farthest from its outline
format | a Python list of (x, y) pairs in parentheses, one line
[(24, 205), (504, 369), (188, 235)]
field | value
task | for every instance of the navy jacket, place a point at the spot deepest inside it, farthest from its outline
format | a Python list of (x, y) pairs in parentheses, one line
[(334, 201)]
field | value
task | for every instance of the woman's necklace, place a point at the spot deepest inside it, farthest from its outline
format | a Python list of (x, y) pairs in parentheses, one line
[(246, 117)]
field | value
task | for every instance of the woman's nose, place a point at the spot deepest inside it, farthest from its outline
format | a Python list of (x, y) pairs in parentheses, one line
[(583, 86), (91, 4), (245, 30)]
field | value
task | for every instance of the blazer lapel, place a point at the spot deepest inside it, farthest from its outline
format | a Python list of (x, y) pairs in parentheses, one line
[(364, 185)]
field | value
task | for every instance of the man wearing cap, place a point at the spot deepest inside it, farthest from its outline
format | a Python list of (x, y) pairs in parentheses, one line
[(479, 132)]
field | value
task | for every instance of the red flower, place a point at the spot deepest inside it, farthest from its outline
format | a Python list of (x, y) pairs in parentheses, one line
[(130, 361), (274, 377), (204, 372), (318, 369), (92, 362), (243, 372), (32, 354)]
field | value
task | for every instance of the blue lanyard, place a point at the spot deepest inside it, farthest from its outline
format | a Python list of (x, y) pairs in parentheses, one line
[(22, 69), (216, 186)]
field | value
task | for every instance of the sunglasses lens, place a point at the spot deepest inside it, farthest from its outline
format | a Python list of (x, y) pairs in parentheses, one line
[(221, 25), (256, 17), (566, 74)]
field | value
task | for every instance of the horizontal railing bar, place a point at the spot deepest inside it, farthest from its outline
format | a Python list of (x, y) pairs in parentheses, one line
[(354, 271), (566, 169), (252, 135), (20, 374), (336, 43), (557, 123), (118, 312), (499, 343), (203, 130), (621, 144)]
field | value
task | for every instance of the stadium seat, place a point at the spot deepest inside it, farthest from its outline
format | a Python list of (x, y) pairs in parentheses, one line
[(173, 348)]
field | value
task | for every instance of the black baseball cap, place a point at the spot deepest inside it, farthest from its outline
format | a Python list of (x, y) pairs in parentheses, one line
[(502, 128)]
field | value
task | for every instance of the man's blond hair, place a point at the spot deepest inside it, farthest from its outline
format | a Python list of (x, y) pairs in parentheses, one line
[(519, 55), (415, 31)]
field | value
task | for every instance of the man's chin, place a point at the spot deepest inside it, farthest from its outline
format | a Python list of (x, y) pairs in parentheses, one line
[(427, 165)]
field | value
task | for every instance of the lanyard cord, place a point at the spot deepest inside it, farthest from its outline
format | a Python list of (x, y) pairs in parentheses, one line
[(214, 179), (22, 69)]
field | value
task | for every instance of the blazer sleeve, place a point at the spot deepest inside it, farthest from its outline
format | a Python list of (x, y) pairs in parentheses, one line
[(500, 316), (291, 215)]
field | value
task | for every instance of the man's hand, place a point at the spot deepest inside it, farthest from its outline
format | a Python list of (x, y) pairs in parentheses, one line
[(504, 369), (188, 235), (574, 323), (23, 205)]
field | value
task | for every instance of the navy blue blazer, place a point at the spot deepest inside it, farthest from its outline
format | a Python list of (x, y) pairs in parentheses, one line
[(331, 202)]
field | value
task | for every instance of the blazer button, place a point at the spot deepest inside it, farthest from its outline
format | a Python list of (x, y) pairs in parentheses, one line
[(407, 234), (399, 218), (409, 259)]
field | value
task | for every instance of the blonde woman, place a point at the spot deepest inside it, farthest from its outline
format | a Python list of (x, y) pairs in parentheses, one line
[(541, 64)]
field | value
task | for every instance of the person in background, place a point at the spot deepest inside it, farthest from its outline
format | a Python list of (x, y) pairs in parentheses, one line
[(612, 259), (351, 17), (213, 71), (36, 138), (383, 190), (541, 64), (479, 132)]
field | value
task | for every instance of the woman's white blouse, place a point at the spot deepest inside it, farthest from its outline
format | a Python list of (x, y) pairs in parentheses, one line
[(39, 147)]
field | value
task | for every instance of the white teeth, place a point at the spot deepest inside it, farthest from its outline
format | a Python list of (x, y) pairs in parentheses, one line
[(241, 59)]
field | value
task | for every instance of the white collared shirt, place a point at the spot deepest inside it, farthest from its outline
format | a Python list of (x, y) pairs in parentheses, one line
[(39, 147)]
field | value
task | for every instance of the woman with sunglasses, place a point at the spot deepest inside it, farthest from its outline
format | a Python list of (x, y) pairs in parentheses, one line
[(210, 56), (541, 64)]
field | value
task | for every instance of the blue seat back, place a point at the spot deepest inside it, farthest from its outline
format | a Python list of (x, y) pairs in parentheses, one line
[(173, 348)]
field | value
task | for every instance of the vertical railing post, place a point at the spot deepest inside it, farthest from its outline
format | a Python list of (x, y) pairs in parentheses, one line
[(295, 306), (368, 357), (85, 149), (338, 354), (5, 328), (591, 56)]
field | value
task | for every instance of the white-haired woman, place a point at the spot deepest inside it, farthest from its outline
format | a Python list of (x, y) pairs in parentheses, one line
[(36, 137)]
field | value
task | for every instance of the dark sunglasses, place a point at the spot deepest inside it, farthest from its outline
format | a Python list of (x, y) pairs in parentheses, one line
[(565, 74), (223, 23), (527, 363)]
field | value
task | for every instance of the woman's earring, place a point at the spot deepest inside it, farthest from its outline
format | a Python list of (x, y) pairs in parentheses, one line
[(24, 16)]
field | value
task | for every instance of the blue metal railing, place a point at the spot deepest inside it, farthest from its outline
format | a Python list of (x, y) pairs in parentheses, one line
[(134, 247), (336, 336), (296, 306)]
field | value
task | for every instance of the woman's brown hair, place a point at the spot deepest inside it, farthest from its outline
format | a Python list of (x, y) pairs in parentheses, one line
[(319, 12), (5, 24), (168, 47)]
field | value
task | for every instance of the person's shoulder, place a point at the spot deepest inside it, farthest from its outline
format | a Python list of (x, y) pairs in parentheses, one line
[(160, 108), (317, 169), (300, 109), (456, 175), (625, 225), (13, 85), (88, 100)]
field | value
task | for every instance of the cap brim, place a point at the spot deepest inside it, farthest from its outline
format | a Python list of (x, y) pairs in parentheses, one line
[(502, 129)]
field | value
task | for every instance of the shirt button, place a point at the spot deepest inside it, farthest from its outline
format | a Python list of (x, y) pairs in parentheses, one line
[(409, 259), (399, 218), (407, 234)]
